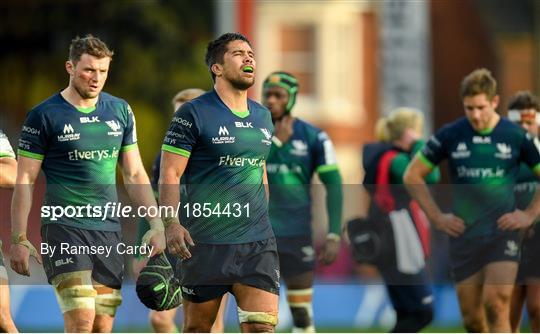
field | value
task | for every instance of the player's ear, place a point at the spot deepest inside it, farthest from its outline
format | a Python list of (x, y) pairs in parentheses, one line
[(217, 69), (70, 68), (495, 101)]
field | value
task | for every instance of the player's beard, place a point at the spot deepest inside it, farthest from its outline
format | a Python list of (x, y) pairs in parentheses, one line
[(241, 83)]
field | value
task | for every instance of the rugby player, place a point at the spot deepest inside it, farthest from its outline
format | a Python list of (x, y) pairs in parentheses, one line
[(163, 321), (76, 137), (484, 152), (8, 173), (299, 150), (524, 110), (220, 142)]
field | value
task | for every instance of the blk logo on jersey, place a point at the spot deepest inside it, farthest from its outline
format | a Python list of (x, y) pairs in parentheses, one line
[(223, 137), (115, 127), (69, 134), (481, 140), (86, 119), (243, 125)]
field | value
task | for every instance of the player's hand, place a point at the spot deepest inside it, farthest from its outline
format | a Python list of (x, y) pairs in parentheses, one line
[(138, 265), (345, 234), (283, 129), (156, 239), (515, 220), (449, 224), (19, 257), (177, 240), (330, 250)]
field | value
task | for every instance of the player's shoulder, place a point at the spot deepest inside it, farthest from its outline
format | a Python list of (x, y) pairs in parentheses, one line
[(201, 102), (105, 97), (455, 129), (50, 104), (509, 126), (459, 124), (309, 130), (258, 109)]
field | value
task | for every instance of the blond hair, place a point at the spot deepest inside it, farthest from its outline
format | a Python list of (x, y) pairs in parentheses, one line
[(186, 95), (392, 127)]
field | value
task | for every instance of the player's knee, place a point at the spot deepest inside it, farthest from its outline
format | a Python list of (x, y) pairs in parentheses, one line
[(82, 325), (258, 322), (473, 322), (260, 328), (74, 291), (197, 328), (496, 306), (160, 320), (533, 309), (107, 301)]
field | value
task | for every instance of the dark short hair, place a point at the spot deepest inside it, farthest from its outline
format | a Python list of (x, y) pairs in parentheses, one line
[(90, 45), (479, 81), (523, 100), (217, 48)]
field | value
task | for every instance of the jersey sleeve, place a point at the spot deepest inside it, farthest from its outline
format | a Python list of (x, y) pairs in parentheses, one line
[(529, 153), (129, 141), (34, 140), (434, 150), (324, 154), (6, 151), (183, 131)]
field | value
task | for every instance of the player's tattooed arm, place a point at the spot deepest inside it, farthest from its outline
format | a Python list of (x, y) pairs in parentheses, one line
[(415, 183), (140, 192), (172, 168), (21, 248)]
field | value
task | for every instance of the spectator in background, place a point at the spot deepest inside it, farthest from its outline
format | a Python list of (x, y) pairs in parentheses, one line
[(402, 264)]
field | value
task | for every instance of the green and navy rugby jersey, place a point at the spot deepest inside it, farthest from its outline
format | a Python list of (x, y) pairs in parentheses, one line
[(80, 149), (227, 151), (290, 169), (6, 151), (526, 183), (483, 168)]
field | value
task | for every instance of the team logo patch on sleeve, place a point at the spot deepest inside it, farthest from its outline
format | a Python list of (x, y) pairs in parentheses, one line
[(267, 135)]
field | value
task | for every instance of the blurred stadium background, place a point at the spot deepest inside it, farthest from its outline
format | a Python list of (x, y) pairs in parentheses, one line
[(355, 60)]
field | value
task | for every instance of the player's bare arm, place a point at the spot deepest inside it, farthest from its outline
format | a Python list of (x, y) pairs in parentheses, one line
[(8, 166), (172, 169), (140, 192), (416, 186), (21, 248), (265, 182)]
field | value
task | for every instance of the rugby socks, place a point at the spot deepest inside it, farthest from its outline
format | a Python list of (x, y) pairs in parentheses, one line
[(300, 303)]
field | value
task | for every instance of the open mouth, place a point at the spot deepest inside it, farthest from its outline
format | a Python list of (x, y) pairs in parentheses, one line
[(247, 69)]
